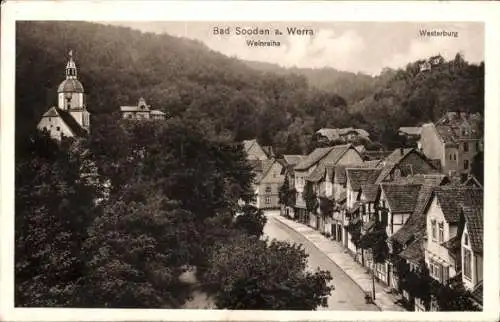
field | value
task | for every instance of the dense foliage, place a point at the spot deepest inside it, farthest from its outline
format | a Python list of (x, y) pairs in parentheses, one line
[(171, 204), (265, 276), (227, 97), (53, 209)]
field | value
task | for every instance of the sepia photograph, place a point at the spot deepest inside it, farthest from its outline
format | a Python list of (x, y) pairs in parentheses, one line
[(249, 165)]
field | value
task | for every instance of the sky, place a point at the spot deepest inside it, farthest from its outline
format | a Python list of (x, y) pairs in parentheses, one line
[(365, 47)]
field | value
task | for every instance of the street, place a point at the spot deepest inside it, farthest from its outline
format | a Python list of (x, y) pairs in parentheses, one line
[(347, 295)]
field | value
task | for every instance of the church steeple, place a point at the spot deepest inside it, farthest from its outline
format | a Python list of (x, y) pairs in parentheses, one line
[(71, 71)]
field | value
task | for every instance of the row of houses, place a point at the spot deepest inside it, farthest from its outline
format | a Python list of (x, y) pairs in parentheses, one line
[(431, 218)]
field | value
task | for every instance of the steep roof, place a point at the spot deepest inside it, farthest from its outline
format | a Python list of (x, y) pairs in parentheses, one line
[(370, 191), (358, 176), (75, 128), (475, 227), (293, 159), (340, 170), (266, 166), (393, 160), (247, 144), (410, 130), (416, 224), (318, 154), (317, 174), (452, 198), (414, 252), (401, 198)]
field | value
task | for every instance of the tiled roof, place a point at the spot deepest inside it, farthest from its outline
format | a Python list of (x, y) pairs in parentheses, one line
[(410, 130), (369, 191), (452, 244), (415, 225), (372, 163), (293, 159), (358, 176), (392, 161), (401, 198), (376, 155), (430, 179), (477, 293), (318, 154), (475, 227), (414, 252), (317, 174), (70, 121), (340, 170), (451, 198), (456, 126), (247, 144), (266, 166), (75, 128)]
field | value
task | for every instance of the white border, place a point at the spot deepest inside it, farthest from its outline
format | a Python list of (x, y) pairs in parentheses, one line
[(487, 12)]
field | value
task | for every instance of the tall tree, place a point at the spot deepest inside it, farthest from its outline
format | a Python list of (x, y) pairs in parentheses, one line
[(249, 273), (53, 209)]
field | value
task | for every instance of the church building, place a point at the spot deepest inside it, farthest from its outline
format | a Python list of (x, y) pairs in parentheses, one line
[(70, 117)]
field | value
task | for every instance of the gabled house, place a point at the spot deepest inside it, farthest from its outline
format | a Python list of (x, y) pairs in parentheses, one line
[(340, 154), (289, 161), (254, 151), (454, 140), (443, 217), (141, 111), (268, 182), (355, 205), (472, 252), (404, 162), (395, 203)]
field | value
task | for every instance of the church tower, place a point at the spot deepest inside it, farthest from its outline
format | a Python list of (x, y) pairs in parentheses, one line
[(71, 95)]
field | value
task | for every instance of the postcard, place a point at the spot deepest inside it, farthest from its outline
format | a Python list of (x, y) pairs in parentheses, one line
[(288, 161)]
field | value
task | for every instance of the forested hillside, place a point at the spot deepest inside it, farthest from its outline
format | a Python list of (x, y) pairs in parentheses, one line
[(226, 97), (352, 87)]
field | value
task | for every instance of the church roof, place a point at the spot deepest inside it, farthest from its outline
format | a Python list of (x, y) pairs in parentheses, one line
[(70, 85), (68, 119)]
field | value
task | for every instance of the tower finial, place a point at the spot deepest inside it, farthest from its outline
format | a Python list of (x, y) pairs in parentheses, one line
[(70, 53)]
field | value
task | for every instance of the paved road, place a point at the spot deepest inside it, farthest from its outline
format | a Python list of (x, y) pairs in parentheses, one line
[(346, 295)]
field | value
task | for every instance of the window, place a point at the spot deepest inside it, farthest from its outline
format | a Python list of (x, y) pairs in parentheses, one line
[(451, 156), (435, 270), (268, 200), (467, 263), (466, 239), (268, 189), (477, 146), (433, 228), (58, 128), (466, 164), (441, 232), (466, 147), (455, 157)]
